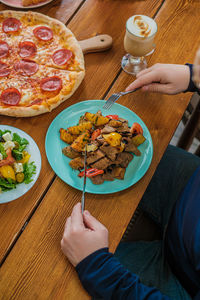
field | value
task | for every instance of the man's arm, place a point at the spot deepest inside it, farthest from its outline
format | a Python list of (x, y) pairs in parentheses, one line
[(85, 243), (103, 276)]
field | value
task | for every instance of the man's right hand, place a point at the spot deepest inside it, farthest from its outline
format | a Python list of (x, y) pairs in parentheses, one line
[(162, 78)]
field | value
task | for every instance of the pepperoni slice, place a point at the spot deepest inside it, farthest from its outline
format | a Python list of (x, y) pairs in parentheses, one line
[(43, 33), (26, 67), (10, 96), (27, 49), (51, 84), (4, 49), (11, 25), (4, 69), (62, 56)]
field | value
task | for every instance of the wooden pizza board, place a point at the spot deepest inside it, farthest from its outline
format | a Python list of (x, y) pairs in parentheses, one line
[(97, 43)]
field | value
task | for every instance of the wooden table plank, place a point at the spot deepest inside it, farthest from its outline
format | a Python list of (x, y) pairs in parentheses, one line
[(36, 258), (62, 10), (98, 67), (9, 211)]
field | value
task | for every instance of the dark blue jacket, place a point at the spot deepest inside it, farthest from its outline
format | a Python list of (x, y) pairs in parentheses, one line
[(103, 276)]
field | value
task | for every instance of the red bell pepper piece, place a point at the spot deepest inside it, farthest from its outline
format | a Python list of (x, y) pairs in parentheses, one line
[(113, 117), (95, 134), (91, 172)]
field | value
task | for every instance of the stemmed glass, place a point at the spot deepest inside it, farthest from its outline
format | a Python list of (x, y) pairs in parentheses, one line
[(138, 43)]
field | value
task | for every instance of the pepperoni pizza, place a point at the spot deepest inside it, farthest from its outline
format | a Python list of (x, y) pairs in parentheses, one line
[(41, 63)]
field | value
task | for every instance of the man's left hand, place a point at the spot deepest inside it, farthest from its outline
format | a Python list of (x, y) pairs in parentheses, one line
[(83, 235)]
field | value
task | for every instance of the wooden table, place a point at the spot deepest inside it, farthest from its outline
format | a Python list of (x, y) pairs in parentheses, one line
[(32, 264)]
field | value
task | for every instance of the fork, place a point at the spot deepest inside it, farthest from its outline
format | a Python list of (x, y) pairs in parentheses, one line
[(114, 97)]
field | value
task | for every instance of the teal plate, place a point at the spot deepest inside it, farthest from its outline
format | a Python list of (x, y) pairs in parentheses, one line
[(60, 163)]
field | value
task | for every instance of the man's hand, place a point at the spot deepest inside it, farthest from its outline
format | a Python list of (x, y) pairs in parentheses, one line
[(196, 69), (82, 235), (162, 78)]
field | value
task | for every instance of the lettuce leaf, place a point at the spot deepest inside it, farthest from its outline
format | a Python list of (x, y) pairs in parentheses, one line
[(2, 151), (29, 170), (7, 185), (21, 141)]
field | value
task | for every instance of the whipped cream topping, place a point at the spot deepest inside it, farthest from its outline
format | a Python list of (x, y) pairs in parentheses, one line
[(141, 26)]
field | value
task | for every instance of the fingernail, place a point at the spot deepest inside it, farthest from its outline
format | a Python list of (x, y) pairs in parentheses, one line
[(86, 212)]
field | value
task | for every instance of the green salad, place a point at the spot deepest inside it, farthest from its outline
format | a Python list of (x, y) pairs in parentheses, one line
[(15, 167)]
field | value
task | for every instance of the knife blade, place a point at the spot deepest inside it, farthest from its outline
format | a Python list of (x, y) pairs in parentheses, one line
[(84, 181)]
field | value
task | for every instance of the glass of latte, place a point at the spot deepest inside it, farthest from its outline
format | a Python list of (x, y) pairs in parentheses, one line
[(138, 43)]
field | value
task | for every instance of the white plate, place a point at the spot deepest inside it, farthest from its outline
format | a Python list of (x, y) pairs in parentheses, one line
[(34, 151), (18, 4)]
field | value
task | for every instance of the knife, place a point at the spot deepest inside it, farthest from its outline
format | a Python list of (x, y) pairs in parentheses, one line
[(84, 181)]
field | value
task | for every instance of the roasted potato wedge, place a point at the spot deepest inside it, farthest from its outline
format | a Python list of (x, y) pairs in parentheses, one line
[(66, 136), (96, 119), (76, 130), (80, 142)]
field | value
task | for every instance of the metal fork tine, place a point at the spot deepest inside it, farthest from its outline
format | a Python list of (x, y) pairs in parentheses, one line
[(110, 101), (114, 97)]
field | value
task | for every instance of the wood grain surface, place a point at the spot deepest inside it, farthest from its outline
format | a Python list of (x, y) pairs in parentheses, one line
[(36, 267), (94, 86)]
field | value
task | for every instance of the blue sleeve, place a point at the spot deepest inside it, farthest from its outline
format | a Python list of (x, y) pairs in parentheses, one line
[(102, 275), (191, 87)]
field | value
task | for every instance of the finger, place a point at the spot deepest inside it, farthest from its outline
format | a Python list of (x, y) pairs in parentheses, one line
[(145, 71), (156, 88), (91, 222), (76, 216), (67, 226), (146, 79)]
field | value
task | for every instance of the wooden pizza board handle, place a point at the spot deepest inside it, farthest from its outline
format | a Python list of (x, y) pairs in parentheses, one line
[(96, 44)]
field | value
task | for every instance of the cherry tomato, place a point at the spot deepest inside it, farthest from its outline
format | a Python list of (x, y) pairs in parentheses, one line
[(113, 117), (9, 160), (136, 128)]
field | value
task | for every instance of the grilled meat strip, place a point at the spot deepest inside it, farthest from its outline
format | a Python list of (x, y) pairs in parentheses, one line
[(69, 152), (124, 158), (102, 164), (77, 163), (110, 151), (94, 156), (97, 179)]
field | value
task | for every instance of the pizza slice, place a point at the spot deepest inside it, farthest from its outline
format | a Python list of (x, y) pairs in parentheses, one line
[(28, 89), (35, 36)]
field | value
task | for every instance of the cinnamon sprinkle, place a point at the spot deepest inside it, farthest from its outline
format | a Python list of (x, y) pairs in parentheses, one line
[(145, 30)]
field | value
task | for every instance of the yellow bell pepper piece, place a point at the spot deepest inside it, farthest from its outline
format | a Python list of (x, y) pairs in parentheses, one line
[(8, 172), (25, 159), (113, 138)]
